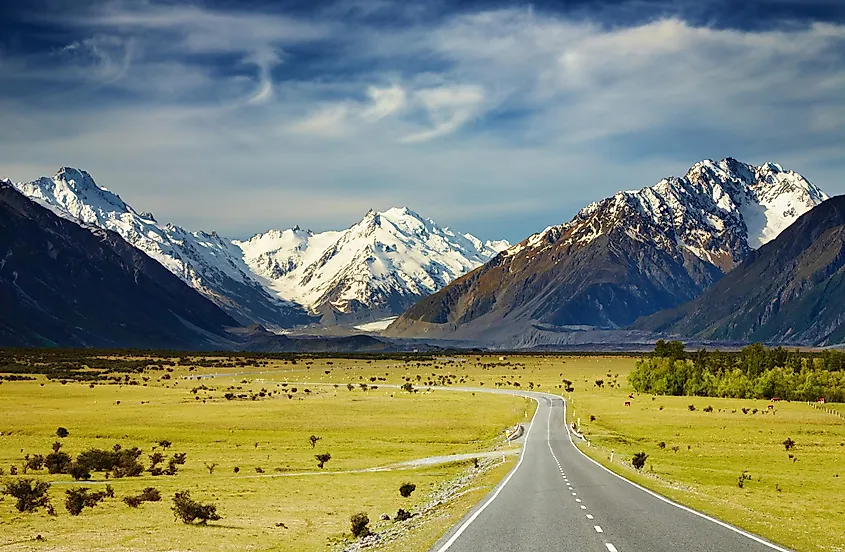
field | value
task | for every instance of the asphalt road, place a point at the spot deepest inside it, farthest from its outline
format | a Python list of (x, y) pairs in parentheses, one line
[(557, 499)]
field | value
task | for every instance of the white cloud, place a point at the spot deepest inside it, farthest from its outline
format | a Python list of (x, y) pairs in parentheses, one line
[(448, 108), (385, 101), (329, 122)]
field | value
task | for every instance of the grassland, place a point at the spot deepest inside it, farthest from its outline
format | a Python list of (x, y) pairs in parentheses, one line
[(361, 429), (798, 501)]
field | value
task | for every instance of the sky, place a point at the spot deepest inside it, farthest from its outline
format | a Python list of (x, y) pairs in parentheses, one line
[(492, 117)]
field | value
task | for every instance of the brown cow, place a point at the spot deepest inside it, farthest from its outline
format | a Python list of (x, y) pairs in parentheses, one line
[(627, 403)]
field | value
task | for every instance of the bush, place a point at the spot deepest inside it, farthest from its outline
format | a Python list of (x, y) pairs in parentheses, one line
[(58, 462), (408, 387), (188, 510), (78, 499), (150, 494), (402, 515), (406, 489), (708, 408), (359, 525), (322, 458), (638, 461), (62, 432), (34, 462), (661, 445), (313, 440), (691, 408), (789, 444), (30, 494), (79, 471)]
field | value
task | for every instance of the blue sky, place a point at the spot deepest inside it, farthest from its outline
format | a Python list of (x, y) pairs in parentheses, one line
[(497, 118)]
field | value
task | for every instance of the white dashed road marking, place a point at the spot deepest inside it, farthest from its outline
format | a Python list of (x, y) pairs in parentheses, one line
[(598, 529), (589, 516), (610, 547)]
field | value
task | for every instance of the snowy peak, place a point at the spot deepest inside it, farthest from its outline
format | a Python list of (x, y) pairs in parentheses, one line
[(205, 261), (718, 211), (382, 264)]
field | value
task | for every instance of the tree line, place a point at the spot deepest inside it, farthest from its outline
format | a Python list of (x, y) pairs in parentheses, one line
[(755, 372)]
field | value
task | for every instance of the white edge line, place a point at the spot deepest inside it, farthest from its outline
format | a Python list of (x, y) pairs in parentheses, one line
[(737, 530), (477, 513)]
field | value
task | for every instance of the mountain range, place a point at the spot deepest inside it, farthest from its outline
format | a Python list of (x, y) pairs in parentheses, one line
[(729, 251), (618, 259), (283, 278)]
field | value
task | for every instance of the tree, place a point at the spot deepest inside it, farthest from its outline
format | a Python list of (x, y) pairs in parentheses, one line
[(406, 489), (638, 461), (322, 458), (30, 494), (359, 525), (188, 510), (62, 432), (313, 440)]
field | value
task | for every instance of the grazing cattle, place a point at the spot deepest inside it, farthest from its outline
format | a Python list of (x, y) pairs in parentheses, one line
[(820, 400), (775, 399), (771, 407), (627, 403), (631, 396)]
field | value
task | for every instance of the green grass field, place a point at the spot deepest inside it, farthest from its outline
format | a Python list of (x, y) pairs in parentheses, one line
[(798, 502), (361, 430)]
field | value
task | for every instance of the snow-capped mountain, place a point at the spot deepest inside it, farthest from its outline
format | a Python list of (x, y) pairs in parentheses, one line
[(378, 267), (205, 261), (718, 211), (626, 256)]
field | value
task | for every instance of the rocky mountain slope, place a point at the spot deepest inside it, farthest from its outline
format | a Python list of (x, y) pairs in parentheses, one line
[(626, 256), (376, 268), (791, 290), (379, 267), (65, 285)]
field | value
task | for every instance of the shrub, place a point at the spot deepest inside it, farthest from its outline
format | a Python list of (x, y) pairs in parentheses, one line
[(661, 445), (322, 458), (402, 515), (62, 432), (708, 408), (34, 462), (56, 446), (406, 489), (592, 418), (691, 408), (408, 387), (58, 462), (188, 510), (79, 471), (30, 494), (743, 477), (313, 440), (638, 461), (149, 494), (359, 525), (789, 444), (210, 467), (80, 498)]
